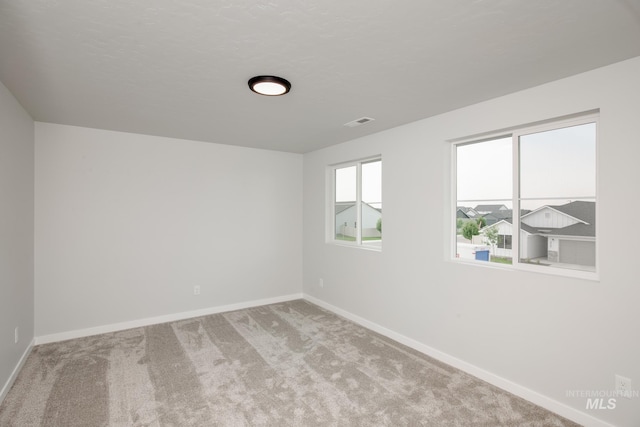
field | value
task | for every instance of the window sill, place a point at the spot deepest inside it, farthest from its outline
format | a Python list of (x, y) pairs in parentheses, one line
[(369, 248), (558, 272)]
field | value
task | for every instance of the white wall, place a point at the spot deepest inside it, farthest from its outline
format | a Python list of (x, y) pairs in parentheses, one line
[(16, 234), (126, 225), (545, 333)]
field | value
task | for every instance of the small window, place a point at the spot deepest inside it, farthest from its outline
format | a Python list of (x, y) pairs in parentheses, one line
[(504, 241), (536, 190), (357, 203)]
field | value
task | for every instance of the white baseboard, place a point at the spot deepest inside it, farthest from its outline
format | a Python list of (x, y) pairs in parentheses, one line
[(16, 370), (45, 339), (496, 380)]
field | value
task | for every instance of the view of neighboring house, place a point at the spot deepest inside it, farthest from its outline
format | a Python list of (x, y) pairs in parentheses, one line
[(488, 209), (570, 231), (562, 234), (500, 215), (467, 213), (482, 211), (346, 219)]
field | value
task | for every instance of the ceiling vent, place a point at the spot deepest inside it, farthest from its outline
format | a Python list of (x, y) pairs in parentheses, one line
[(358, 122)]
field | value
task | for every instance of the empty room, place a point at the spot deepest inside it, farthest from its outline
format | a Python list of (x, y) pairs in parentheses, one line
[(294, 213)]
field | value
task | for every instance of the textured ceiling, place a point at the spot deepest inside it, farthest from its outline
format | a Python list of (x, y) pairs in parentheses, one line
[(180, 69)]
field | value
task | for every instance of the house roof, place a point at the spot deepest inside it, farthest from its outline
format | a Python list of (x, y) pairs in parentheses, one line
[(469, 212), (576, 230), (343, 206), (461, 214), (508, 213), (583, 211), (523, 227), (490, 208)]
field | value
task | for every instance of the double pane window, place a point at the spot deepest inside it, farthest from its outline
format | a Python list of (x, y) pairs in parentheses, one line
[(528, 198), (357, 203)]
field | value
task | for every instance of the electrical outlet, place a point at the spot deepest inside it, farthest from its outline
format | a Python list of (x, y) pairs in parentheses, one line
[(16, 336), (196, 290), (623, 386), (321, 283)]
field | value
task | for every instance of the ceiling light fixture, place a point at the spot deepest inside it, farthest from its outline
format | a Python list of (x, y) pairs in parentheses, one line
[(269, 85)]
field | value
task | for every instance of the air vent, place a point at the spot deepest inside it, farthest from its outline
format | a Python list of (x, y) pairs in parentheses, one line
[(358, 122)]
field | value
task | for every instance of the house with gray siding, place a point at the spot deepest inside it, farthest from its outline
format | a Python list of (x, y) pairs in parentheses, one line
[(563, 234)]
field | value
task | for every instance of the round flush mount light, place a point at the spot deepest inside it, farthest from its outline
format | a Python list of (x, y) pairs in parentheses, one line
[(269, 85)]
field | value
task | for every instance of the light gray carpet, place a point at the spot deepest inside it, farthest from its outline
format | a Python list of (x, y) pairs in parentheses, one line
[(288, 364)]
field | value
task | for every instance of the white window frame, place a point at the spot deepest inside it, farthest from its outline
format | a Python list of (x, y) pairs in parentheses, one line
[(515, 134), (331, 204)]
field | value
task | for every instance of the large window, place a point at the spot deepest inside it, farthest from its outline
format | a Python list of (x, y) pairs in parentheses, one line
[(528, 198), (357, 203)]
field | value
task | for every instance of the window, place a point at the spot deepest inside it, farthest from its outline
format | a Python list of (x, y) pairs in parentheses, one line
[(504, 241), (535, 189), (357, 203)]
